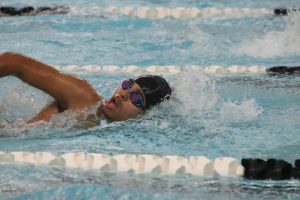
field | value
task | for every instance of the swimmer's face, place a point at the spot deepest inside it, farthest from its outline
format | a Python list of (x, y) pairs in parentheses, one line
[(120, 106)]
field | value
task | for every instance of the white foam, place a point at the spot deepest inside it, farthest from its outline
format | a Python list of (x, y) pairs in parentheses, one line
[(196, 93), (274, 43), (245, 111)]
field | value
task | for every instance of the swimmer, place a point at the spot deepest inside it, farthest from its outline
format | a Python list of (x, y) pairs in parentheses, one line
[(133, 97)]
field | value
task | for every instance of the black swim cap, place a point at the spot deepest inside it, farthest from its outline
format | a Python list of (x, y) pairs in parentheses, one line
[(155, 88)]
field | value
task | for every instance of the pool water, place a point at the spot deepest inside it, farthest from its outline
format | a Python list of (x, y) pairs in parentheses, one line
[(238, 115)]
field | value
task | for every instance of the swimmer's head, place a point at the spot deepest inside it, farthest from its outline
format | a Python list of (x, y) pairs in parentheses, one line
[(135, 96), (155, 89)]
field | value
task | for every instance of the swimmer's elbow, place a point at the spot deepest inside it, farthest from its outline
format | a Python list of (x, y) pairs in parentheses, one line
[(9, 58), (8, 54), (8, 64)]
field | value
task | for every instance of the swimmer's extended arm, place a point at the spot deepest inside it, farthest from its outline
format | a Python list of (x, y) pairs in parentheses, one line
[(68, 91)]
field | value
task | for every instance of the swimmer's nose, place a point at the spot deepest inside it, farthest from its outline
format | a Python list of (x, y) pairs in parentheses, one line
[(122, 96)]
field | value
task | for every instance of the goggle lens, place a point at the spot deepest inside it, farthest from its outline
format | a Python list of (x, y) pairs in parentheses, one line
[(135, 97)]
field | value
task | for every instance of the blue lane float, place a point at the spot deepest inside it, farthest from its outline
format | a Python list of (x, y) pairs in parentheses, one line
[(249, 168)]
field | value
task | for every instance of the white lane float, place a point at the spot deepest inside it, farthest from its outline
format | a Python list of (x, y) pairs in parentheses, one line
[(172, 69), (139, 164)]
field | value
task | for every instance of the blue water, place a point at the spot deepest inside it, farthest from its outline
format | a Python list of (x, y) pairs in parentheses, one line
[(211, 115)]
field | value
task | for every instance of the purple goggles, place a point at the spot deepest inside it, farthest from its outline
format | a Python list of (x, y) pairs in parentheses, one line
[(135, 97)]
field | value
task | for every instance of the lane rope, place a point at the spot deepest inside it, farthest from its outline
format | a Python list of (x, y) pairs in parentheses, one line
[(235, 69), (167, 165), (231, 70), (250, 168), (178, 12), (153, 13)]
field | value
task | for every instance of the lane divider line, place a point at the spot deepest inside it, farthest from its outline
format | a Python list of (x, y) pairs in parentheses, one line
[(144, 163), (172, 165), (152, 13), (235, 69)]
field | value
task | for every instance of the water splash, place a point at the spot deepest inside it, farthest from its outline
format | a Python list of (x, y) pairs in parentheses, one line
[(197, 107), (193, 100), (245, 111), (23, 102), (274, 43), (17, 100), (195, 93)]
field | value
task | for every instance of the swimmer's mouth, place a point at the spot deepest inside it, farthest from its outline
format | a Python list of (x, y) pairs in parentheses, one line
[(113, 103)]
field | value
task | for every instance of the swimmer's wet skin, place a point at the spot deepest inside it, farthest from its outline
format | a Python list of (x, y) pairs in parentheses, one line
[(72, 93)]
